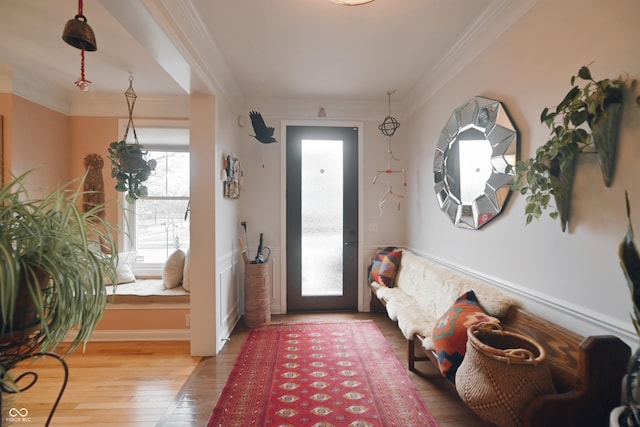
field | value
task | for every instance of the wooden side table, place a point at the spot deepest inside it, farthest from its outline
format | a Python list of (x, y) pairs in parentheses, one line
[(257, 300)]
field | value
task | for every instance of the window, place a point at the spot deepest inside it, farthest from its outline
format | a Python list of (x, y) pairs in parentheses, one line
[(160, 223)]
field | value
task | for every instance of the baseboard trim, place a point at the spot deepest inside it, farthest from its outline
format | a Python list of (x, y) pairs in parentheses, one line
[(138, 335), (149, 306)]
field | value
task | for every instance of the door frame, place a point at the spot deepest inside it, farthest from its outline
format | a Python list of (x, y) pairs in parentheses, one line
[(283, 203)]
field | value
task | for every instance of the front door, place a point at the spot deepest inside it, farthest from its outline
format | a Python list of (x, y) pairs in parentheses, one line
[(322, 218)]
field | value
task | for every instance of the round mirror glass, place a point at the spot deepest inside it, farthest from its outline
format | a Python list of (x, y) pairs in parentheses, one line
[(474, 163)]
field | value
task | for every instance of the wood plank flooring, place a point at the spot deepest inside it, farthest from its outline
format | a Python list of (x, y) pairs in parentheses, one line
[(159, 384), (127, 384)]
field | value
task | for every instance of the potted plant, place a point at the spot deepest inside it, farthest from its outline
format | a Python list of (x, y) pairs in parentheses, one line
[(602, 105), (589, 115), (130, 168), (630, 263), (52, 271)]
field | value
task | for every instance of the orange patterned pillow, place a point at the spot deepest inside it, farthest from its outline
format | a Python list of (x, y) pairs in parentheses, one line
[(450, 332)]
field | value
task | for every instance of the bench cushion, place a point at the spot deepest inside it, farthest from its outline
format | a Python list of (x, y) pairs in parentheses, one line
[(146, 291)]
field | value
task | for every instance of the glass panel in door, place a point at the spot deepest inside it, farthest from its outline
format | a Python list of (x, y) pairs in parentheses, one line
[(321, 209)]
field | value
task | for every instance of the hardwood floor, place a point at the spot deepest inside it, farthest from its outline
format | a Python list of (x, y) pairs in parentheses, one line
[(123, 384), (158, 384)]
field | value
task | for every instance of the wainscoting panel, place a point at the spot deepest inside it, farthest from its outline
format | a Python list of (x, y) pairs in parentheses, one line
[(278, 289), (227, 297), (579, 319)]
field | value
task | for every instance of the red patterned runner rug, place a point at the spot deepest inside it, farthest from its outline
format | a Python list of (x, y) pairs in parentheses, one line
[(319, 374)]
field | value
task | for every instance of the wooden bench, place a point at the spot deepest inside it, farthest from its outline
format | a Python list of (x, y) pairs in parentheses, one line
[(587, 372)]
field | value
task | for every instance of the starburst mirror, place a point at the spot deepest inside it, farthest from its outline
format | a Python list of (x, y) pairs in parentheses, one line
[(474, 163)]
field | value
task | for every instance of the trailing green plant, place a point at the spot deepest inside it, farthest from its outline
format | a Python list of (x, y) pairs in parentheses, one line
[(51, 260), (131, 169), (571, 125)]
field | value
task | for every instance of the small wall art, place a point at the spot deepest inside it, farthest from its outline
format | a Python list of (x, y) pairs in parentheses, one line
[(231, 176)]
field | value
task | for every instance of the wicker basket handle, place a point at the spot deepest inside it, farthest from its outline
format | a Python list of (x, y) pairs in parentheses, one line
[(519, 356)]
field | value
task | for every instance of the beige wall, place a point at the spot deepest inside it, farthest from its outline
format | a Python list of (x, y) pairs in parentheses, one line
[(6, 101), (36, 138)]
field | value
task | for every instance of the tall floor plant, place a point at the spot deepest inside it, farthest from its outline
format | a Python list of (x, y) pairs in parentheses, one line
[(52, 268)]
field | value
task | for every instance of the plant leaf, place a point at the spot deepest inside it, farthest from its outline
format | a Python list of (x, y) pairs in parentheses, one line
[(584, 73)]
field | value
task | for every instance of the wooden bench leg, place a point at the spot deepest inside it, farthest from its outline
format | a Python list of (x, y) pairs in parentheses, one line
[(413, 357)]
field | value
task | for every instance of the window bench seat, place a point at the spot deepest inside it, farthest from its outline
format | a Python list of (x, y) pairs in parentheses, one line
[(145, 310), (147, 291)]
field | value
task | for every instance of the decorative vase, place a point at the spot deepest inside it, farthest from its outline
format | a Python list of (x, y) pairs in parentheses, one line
[(562, 183), (605, 136), (631, 417)]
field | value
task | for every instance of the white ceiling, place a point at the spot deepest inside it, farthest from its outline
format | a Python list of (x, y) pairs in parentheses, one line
[(284, 49)]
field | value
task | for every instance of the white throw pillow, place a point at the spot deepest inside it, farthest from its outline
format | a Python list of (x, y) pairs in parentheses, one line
[(186, 276), (173, 269), (124, 269)]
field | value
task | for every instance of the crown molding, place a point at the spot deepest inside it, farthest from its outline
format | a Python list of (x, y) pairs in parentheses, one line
[(497, 19), (24, 84), (76, 103), (115, 105), (307, 109), (183, 25)]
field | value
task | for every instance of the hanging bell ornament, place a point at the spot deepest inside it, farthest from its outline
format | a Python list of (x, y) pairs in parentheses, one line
[(79, 34)]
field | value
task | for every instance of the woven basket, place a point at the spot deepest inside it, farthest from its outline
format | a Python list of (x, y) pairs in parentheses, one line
[(501, 373)]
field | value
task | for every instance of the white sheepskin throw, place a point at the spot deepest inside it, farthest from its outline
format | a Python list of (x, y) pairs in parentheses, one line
[(411, 319), (435, 287), (425, 290), (404, 309)]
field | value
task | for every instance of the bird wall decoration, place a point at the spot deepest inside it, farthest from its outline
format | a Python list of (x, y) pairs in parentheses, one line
[(263, 133)]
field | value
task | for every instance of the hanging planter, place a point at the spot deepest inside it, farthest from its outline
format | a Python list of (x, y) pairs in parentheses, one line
[(130, 169), (599, 104), (130, 166), (586, 116), (561, 175), (549, 176), (605, 131)]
